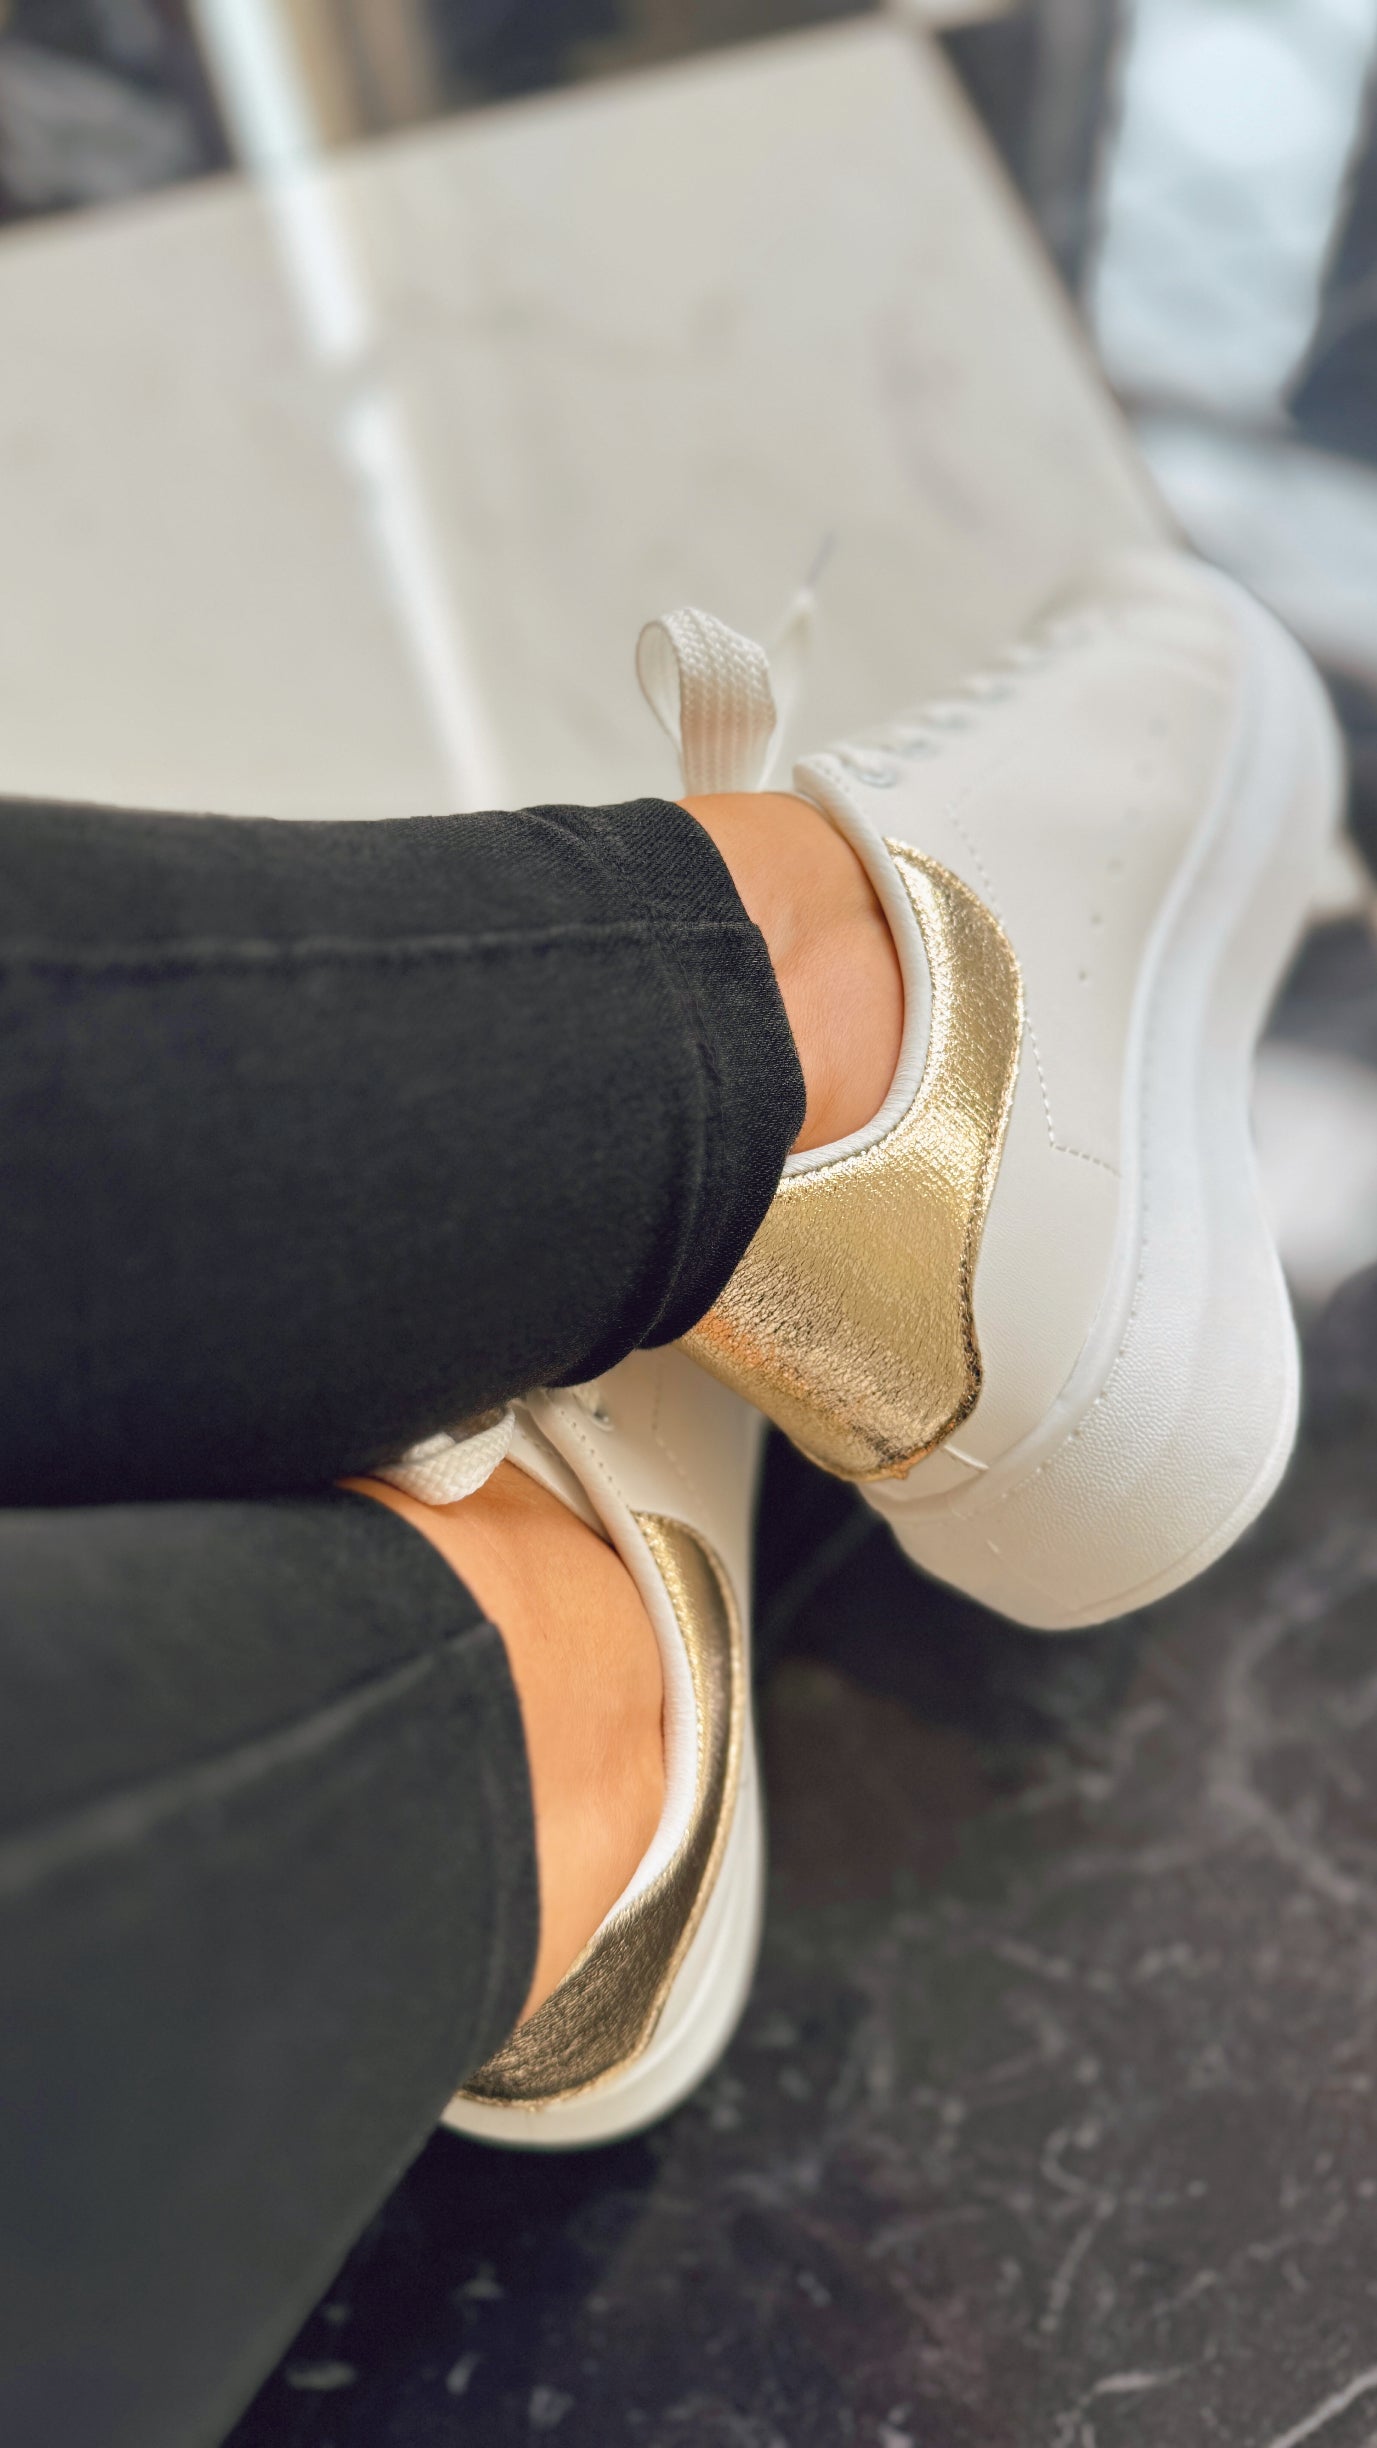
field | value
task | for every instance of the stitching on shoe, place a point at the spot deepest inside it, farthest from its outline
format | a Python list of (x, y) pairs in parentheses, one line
[(667, 1449), (591, 1454), (1074, 1435), (1061, 1146)]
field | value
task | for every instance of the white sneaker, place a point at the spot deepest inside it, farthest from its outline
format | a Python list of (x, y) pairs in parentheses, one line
[(1036, 1306), (664, 1462)]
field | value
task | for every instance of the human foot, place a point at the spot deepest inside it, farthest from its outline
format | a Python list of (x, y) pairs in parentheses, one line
[(663, 1461), (586, 1665), (830, 946), (1035, 1306)]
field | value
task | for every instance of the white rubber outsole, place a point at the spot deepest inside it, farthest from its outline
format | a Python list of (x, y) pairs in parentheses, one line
[(1176, 1424)]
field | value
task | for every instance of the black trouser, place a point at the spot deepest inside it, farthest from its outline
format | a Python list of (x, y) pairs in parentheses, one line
[(313, 1139)]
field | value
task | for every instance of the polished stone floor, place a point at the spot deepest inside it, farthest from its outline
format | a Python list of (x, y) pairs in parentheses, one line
[(1052, 2123)]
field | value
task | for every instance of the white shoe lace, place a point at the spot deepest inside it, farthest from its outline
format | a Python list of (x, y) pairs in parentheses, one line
[(725, 703), (444, 1469), (454, 1464)]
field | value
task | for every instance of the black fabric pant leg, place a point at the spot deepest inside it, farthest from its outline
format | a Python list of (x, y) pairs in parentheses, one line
[(312, 1139), (316, 1138), (267, 1892)]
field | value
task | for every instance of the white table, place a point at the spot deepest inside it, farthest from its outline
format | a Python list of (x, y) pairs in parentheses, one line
[(351, 498)]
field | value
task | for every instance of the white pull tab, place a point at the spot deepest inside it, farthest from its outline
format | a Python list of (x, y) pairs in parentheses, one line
[(709, 688)]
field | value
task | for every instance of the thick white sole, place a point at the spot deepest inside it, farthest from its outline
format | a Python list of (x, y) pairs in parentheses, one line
[(703, 2010), (1179, 1417)]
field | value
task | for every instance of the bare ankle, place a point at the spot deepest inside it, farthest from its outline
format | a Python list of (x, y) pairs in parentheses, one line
[(829, 944), (586, 1666)]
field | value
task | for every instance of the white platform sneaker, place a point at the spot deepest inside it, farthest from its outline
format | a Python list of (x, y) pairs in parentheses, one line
[(664, 1462), (1036, 1307)]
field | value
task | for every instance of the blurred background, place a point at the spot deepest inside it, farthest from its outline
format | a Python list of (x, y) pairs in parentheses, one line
[(1203, 172), (369, 369)]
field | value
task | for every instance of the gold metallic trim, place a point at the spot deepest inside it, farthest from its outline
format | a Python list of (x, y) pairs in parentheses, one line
[(606, 2008), (850, 1321)]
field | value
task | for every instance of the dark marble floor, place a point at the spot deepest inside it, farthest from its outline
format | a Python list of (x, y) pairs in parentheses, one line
[(1053, 2120)]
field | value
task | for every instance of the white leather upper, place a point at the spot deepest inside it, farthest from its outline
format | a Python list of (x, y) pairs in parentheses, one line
[(1065, 791)]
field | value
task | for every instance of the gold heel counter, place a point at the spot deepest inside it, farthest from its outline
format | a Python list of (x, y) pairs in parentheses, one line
[(607, 2006), (850, 1321)]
